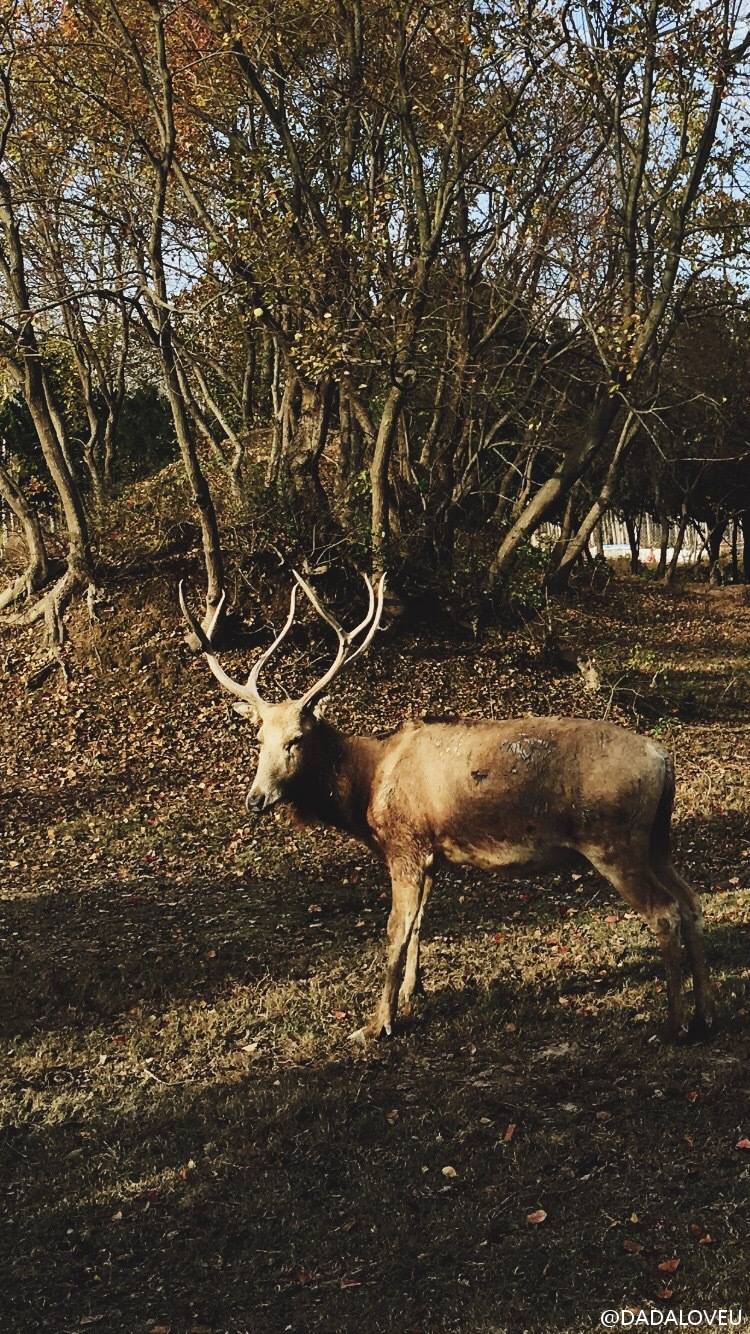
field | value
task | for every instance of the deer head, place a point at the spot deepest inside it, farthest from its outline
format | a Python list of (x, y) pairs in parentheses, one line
[(288, 731)]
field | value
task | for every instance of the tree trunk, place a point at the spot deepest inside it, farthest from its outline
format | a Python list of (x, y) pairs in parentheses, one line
[(35, 575), (715, 538), (661, 568), (95, 471), (211, 541), (279, 411), (566, 528), (559, 578), (633, 543), (553, 490), (745, 519), (379, 523), (305, 450), (108, 450), (29, 372), (671, 569)]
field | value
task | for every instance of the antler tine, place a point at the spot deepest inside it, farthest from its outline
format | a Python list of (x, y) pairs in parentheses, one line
[(370, 608), (204, 639), (375, 623), (320, 609), (345, 638), (252, 680)]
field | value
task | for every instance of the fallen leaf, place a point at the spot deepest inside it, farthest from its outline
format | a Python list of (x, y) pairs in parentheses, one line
[(693, 1095), (705, 1240), (664, 1293), (668, 1266), (449, 1171), (632, 1246), (510, 1131), (742, 1144), (538, 1216)]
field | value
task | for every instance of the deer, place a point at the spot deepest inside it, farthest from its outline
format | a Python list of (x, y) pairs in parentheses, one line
[(519, 796)]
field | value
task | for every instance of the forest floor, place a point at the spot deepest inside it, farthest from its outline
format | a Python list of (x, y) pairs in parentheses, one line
[(189, 1143)]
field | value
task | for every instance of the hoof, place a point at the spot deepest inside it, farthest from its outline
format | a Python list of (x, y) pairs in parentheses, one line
[(361, 1036)]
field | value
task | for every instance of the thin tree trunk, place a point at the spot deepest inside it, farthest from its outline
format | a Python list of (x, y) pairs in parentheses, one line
[(211, 541), (735, 549), (559, 578), (36, 573), (29, 372), (273, 468), (633, 543), (551, 492), (379, 524), (566, 528), (715, 538), (745, 520), (671, 569), (661, 568)]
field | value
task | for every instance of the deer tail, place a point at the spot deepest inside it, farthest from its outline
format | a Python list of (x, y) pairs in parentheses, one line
[(660, 830)]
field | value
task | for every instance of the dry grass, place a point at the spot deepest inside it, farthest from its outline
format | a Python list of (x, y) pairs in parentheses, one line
[(188, 1141)]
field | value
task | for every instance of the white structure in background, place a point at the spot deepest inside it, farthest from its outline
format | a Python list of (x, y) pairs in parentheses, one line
[(611, 541)]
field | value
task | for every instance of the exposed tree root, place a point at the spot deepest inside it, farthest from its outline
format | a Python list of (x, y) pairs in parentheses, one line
[(18, 589), (50, 606)]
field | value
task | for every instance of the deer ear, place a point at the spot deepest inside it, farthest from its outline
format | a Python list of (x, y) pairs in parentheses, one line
[(246, 710)]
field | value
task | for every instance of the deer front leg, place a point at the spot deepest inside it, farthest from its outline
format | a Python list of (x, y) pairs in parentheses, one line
[(407, 886), (412, 981)]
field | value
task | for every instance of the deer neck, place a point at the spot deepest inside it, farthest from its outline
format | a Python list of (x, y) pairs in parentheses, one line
[(336, 785)]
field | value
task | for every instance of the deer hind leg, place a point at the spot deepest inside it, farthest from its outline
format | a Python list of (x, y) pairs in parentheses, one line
[(407, 887), (412, 981), (691, 914), (641, 888)]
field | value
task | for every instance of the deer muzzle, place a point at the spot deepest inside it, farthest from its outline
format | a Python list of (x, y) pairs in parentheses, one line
[(257, 802)]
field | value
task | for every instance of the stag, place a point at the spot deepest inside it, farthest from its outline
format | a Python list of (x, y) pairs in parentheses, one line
[(520, 796)]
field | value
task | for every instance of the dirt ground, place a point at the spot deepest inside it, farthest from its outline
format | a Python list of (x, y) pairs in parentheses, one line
[(189, 1143)]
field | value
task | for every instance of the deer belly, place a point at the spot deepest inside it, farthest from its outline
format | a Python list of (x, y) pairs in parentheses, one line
[(491, 854)]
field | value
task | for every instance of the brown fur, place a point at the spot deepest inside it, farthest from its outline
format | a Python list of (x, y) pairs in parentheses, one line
[(520, 796), (523, 796)]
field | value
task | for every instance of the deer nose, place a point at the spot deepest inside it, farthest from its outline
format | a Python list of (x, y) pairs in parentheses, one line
[(254, 801)]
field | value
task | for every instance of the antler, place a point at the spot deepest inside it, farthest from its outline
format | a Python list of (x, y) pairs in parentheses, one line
[(345, 637), (249, 691)]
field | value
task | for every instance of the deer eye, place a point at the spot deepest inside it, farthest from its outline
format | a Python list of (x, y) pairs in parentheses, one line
[(290, 745)]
